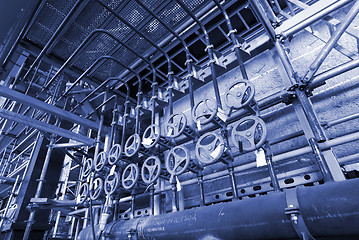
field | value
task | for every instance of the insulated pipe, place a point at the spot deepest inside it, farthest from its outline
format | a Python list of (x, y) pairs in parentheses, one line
[(328, 210), (209, 49)]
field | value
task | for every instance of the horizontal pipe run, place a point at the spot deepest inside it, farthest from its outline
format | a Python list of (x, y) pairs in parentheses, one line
[(328, 210)]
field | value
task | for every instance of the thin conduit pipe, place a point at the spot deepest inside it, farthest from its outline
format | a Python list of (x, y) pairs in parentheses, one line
[(232, 35), (89, 69), (209, 49), (186, 49), (170, 73), (125, 112), (77, 50)]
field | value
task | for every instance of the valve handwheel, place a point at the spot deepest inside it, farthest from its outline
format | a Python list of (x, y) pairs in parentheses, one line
[(83, 193), (114, 154), (87, 167), (97, 189), (130, 176), (132, 145), (177, 161), (209, 148), (151, 136), (251, 132), (204, 111), (111, 183), (239, 94), (100, 161), (151, 169), (176, 124)]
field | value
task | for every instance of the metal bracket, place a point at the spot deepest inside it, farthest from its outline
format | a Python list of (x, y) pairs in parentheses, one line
[(293, 211)]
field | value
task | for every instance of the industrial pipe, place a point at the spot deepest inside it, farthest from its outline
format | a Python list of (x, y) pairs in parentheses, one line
[(328, 210)]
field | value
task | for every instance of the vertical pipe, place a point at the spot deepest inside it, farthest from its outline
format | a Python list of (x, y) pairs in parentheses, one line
[(327, 176), (233, 181), (303, 99), (41, 181), (273, 176), (209, 50), (201, 189), (232, 35)]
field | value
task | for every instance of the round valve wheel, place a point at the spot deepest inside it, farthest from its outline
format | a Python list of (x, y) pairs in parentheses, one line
[(132, 145), (209, 148), (83, 193), (114, 154), (130, 176), (151, 170), (250, 132), (176, 124), (239, 94), (87, 167), (100, 161), (111, 183), (97, 189), (177, 161), (151, 136), (204, 111)]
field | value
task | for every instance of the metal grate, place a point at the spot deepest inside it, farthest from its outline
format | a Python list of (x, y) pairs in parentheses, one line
[(95, 16), (48, 20)]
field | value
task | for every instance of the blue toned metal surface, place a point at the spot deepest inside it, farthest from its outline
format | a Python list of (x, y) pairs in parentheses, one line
[(329, 211)]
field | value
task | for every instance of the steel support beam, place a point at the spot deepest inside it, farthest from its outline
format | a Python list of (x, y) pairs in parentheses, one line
[(328, 210), (51, 109), (42, 126), (309, 16)]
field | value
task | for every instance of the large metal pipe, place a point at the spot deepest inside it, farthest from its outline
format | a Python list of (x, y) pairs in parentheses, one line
[(329, 210)]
